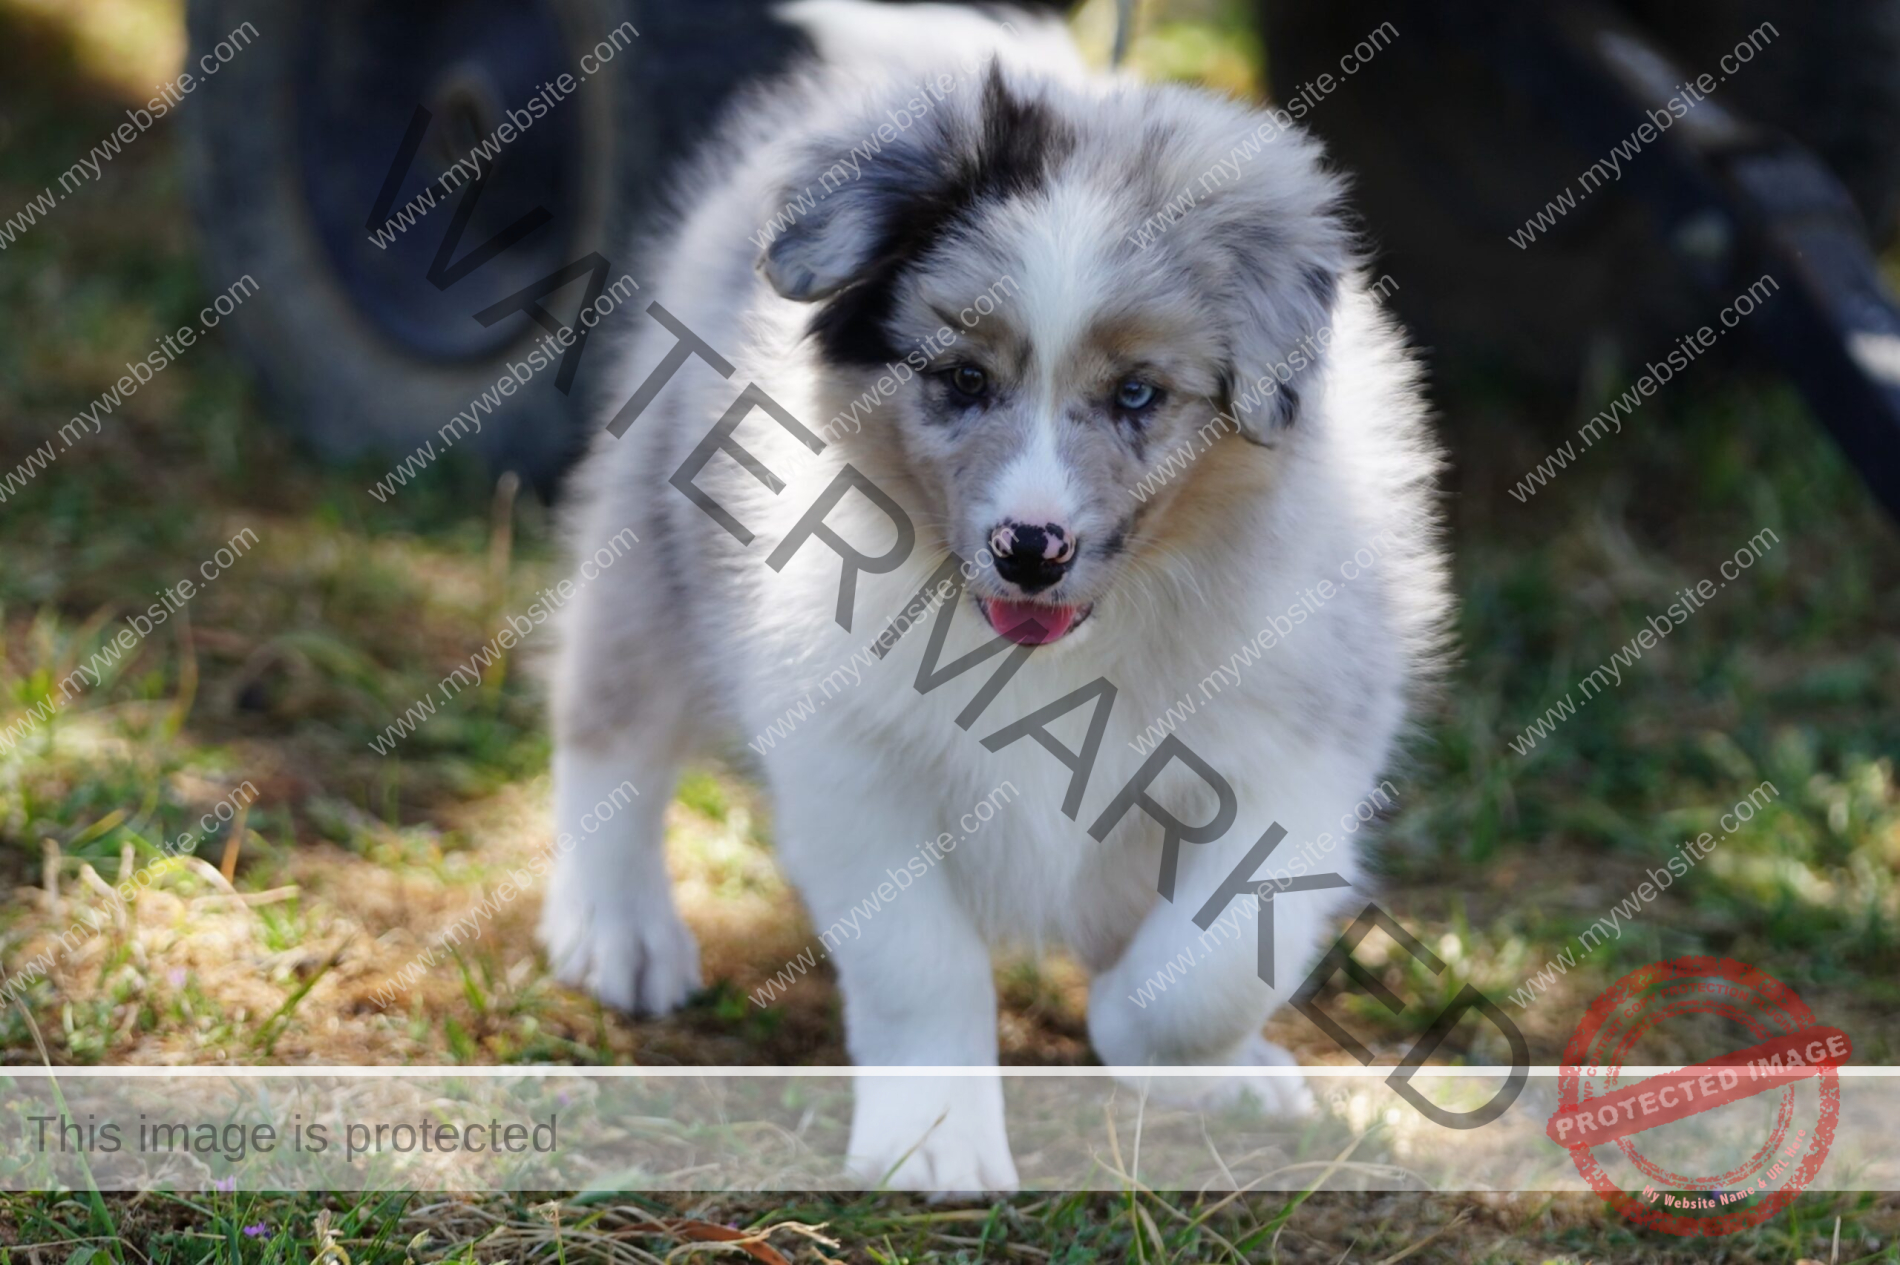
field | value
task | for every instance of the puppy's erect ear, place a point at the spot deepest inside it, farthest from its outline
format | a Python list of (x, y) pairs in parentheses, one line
[(1270, 233)]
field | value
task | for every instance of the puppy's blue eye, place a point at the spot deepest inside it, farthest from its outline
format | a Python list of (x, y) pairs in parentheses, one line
[(1135, 394), (969, 380)]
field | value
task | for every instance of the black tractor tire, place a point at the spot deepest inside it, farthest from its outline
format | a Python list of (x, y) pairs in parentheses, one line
[(289, 141)]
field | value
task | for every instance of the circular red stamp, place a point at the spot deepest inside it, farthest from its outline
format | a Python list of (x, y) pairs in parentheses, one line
[(1599, 1106)]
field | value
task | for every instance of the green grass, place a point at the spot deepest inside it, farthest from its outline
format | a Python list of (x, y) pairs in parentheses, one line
[(402, 1228), (348, 610)]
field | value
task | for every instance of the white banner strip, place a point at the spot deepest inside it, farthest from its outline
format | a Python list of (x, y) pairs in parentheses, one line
[(681, 1128)]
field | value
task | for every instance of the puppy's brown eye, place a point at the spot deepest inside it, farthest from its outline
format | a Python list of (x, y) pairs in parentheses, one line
[(969, 380)]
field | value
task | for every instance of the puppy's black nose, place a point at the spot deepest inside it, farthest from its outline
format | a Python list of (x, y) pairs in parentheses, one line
[(1032, 556)]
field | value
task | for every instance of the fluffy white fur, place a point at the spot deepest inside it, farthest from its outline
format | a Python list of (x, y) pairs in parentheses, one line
[(692, 643)]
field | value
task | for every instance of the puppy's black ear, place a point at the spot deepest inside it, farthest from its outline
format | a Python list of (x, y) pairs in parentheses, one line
[(869, 198), (840, 209), (884, 186), (835, 241)]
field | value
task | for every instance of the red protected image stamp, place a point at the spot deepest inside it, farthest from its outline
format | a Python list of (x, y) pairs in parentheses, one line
[(1598, 1105)]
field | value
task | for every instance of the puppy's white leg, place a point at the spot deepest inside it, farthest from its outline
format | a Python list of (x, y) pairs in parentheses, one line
[(1185, 997), (608, 920), (915, 976)]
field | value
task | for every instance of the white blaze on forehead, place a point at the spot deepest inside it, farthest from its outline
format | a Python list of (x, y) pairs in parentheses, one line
[(1063, 242)]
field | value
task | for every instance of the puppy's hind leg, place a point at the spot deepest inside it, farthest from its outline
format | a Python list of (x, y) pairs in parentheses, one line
[(608, 922)]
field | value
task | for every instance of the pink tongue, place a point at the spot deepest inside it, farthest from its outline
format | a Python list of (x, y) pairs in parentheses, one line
[(1019, 621)]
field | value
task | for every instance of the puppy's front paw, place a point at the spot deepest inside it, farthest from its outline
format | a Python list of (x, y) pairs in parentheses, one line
[(635, 954), (1279, 1095), (943, 1135)]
